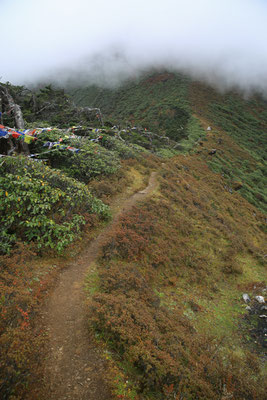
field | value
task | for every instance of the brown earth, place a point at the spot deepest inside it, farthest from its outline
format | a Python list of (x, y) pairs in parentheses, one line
[(74, 368)]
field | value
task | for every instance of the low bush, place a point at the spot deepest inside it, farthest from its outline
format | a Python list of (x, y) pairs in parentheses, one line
[(22, 287), (91, 161)]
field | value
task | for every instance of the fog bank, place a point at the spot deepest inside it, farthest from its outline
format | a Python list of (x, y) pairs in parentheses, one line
[(104, 42)]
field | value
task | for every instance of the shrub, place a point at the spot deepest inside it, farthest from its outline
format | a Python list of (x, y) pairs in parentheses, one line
[(42, 205)]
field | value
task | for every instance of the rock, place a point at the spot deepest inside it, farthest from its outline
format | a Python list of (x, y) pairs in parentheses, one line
[(246, 298), (179, 147), (259, 196), (209, 128), (260, 299), (248, 308), (264, 308), (237, 185), (263, 316), (212, 152)]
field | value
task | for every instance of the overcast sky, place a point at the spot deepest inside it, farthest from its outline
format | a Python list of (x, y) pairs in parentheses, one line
[(108, 40)]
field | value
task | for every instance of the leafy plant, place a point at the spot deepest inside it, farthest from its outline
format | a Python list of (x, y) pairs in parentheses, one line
[(42, 205)]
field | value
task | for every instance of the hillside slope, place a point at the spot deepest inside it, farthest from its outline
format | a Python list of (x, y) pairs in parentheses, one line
[(165, 295), (174, 104), (167, 299)]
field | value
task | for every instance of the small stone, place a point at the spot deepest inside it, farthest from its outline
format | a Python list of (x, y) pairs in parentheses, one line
[(212, 151), (237, 185), (260, 299), (246, 298)]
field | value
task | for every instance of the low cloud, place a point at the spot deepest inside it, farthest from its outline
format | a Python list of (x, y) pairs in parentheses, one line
[(105, 42)]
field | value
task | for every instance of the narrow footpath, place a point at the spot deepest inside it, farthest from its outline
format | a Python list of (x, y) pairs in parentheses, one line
[(74, 368)]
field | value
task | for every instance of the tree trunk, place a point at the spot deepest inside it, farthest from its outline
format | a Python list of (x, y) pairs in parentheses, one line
[(1, 109), (34, 103), (17, 113), (18, 116)]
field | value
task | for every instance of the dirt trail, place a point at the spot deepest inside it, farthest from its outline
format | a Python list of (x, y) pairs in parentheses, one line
[(74, 368)]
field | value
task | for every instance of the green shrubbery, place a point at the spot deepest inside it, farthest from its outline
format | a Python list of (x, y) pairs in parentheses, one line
[(253, 180), (94, 158), (90, 162), (195, 132), (244, 120), (42, 205)]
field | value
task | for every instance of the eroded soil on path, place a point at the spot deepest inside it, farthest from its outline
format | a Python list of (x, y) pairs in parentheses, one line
[(74, 367)]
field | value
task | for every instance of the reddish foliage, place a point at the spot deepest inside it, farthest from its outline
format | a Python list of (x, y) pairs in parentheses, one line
[(154, 245), (131, 236), (21, 290)]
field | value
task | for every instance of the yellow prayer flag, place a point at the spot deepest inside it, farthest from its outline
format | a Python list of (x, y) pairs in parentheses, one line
[(28, 139)]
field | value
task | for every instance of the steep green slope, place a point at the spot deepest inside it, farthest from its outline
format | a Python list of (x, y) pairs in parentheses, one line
[(243, 125)]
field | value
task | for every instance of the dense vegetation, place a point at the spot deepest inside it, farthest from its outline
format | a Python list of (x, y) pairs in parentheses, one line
[(165, 298), (42, 205), (46, 105)]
